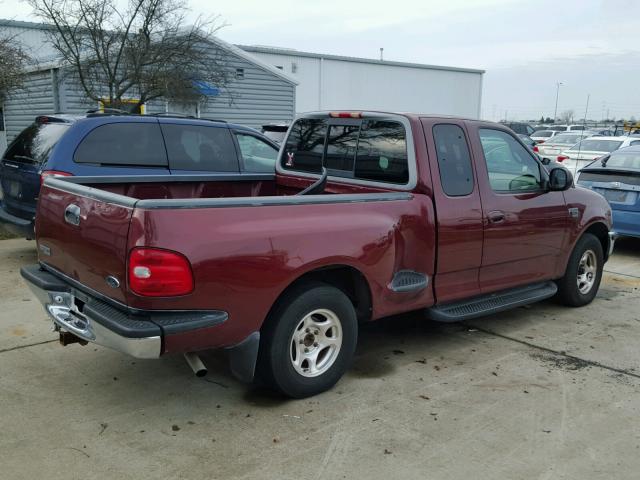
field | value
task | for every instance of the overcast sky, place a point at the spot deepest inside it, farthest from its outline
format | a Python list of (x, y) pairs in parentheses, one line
[(591, 46)]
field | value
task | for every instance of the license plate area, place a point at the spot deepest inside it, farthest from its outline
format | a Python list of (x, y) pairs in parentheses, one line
[(13, 189), (615, 196)]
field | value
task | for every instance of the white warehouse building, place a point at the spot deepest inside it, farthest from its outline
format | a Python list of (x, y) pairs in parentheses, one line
[(330, 82)]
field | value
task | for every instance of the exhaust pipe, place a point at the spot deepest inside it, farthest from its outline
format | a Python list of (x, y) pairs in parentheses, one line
[(196, 364)]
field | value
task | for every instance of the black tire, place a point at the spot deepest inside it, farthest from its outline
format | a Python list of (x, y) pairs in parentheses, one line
[(275, 365), (568, 290)]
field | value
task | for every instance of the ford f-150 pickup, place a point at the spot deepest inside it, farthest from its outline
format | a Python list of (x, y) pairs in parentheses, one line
[(368, 214)]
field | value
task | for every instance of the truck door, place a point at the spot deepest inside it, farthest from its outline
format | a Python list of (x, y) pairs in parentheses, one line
[(524, 224), (458, 210)]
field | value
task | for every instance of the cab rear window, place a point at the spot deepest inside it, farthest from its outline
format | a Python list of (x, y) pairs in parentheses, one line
[(368, 149)]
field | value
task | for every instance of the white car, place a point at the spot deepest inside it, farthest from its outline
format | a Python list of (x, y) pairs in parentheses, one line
[(583, 153), (559, 143), (566, 128), (541, 136)]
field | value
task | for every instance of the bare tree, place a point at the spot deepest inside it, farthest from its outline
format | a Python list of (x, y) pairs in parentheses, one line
[(144, 50), (13, 60), (566, 116)]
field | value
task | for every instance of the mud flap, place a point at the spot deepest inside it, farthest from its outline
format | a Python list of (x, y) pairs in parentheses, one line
[(243, 357)]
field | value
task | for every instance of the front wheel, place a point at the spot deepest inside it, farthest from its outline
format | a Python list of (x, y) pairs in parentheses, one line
[(582, 278), (308, 341)]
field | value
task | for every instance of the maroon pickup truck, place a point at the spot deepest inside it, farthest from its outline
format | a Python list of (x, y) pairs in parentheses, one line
[(368, 215)]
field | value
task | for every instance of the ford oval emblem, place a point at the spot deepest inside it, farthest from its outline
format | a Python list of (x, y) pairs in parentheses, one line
[(112, 281)]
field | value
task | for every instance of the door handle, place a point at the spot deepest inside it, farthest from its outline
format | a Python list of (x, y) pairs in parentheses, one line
[(72, 214), (496, 217)]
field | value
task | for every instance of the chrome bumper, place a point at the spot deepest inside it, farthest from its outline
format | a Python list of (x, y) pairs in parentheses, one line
[(62, 309)]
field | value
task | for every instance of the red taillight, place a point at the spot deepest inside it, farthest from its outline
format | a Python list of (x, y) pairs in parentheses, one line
[(562, 158), (345, 114), (154, 272), (539, 141), (53, 173), (535, 148)]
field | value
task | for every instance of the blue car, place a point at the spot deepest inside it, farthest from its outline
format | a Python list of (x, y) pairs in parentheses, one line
[(99, 144), (617, 177)]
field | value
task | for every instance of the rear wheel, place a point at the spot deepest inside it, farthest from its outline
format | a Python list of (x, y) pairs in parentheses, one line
[(309, 340), (582, 278)]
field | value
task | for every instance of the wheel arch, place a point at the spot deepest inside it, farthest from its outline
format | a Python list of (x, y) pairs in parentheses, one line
[(601, 232), (350, 280)]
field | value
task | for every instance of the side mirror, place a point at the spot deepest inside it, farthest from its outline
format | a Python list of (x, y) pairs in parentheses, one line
[(560, 179)]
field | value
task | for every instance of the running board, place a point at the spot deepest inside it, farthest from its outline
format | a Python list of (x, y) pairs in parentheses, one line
[(492, 303)]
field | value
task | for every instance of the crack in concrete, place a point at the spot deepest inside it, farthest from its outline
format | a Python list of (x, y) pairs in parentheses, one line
[(622, 274), (11, 349), (561, 353)]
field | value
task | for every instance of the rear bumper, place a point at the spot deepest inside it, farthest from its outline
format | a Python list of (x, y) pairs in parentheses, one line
[(626, 223), (140, 334), (16, 225)]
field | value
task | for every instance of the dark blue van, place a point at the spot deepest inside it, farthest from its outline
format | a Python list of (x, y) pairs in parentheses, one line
[(103, 144)]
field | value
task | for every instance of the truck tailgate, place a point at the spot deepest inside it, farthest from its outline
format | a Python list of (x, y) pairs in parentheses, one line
[(84, 236)]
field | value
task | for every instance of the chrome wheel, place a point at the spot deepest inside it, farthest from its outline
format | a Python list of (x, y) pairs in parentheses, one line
[(316, 342), (587, 271)]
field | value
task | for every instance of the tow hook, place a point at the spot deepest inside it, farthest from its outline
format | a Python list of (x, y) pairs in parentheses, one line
[(67, 338), (196, 364)]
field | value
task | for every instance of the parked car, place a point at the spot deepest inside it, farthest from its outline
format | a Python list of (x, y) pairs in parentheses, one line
[(275, 131), (527, 140), (586, 151), (566, 128), (281, 272), (554, 147), (520, 127), (617, 177), (100, 144), (541, 136)]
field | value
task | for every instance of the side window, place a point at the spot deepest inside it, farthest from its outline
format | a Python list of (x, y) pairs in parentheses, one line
[(511, 167), (198, 147), (454, 161), (126, 143), (305, 146), (341, 149), (382, 152), (635, 142), (257, 155)]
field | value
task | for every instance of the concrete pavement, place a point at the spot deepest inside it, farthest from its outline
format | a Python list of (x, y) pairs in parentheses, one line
[(542, 392)]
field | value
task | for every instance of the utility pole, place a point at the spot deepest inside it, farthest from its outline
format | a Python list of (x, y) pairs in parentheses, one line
[(381, 54), (555, 112)]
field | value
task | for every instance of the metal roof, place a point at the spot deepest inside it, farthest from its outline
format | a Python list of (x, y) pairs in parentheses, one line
[(221, 43), (341, 58)]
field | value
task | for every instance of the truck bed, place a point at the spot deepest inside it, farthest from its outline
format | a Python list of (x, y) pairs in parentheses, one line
[(246, 238)]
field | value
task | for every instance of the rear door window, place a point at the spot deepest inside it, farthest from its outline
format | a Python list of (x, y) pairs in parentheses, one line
[(127, 143), (382, 152), (257, 155), (454, 161), (198, 147), (35, 142), (305, 145)]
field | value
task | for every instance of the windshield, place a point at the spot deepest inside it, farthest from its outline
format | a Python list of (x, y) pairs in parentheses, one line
[(568, 139), (629, 160), (542, 133), (35, 142), (594, 145)]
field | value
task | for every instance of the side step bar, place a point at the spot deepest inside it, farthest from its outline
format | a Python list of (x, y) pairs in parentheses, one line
[(492, 303)]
